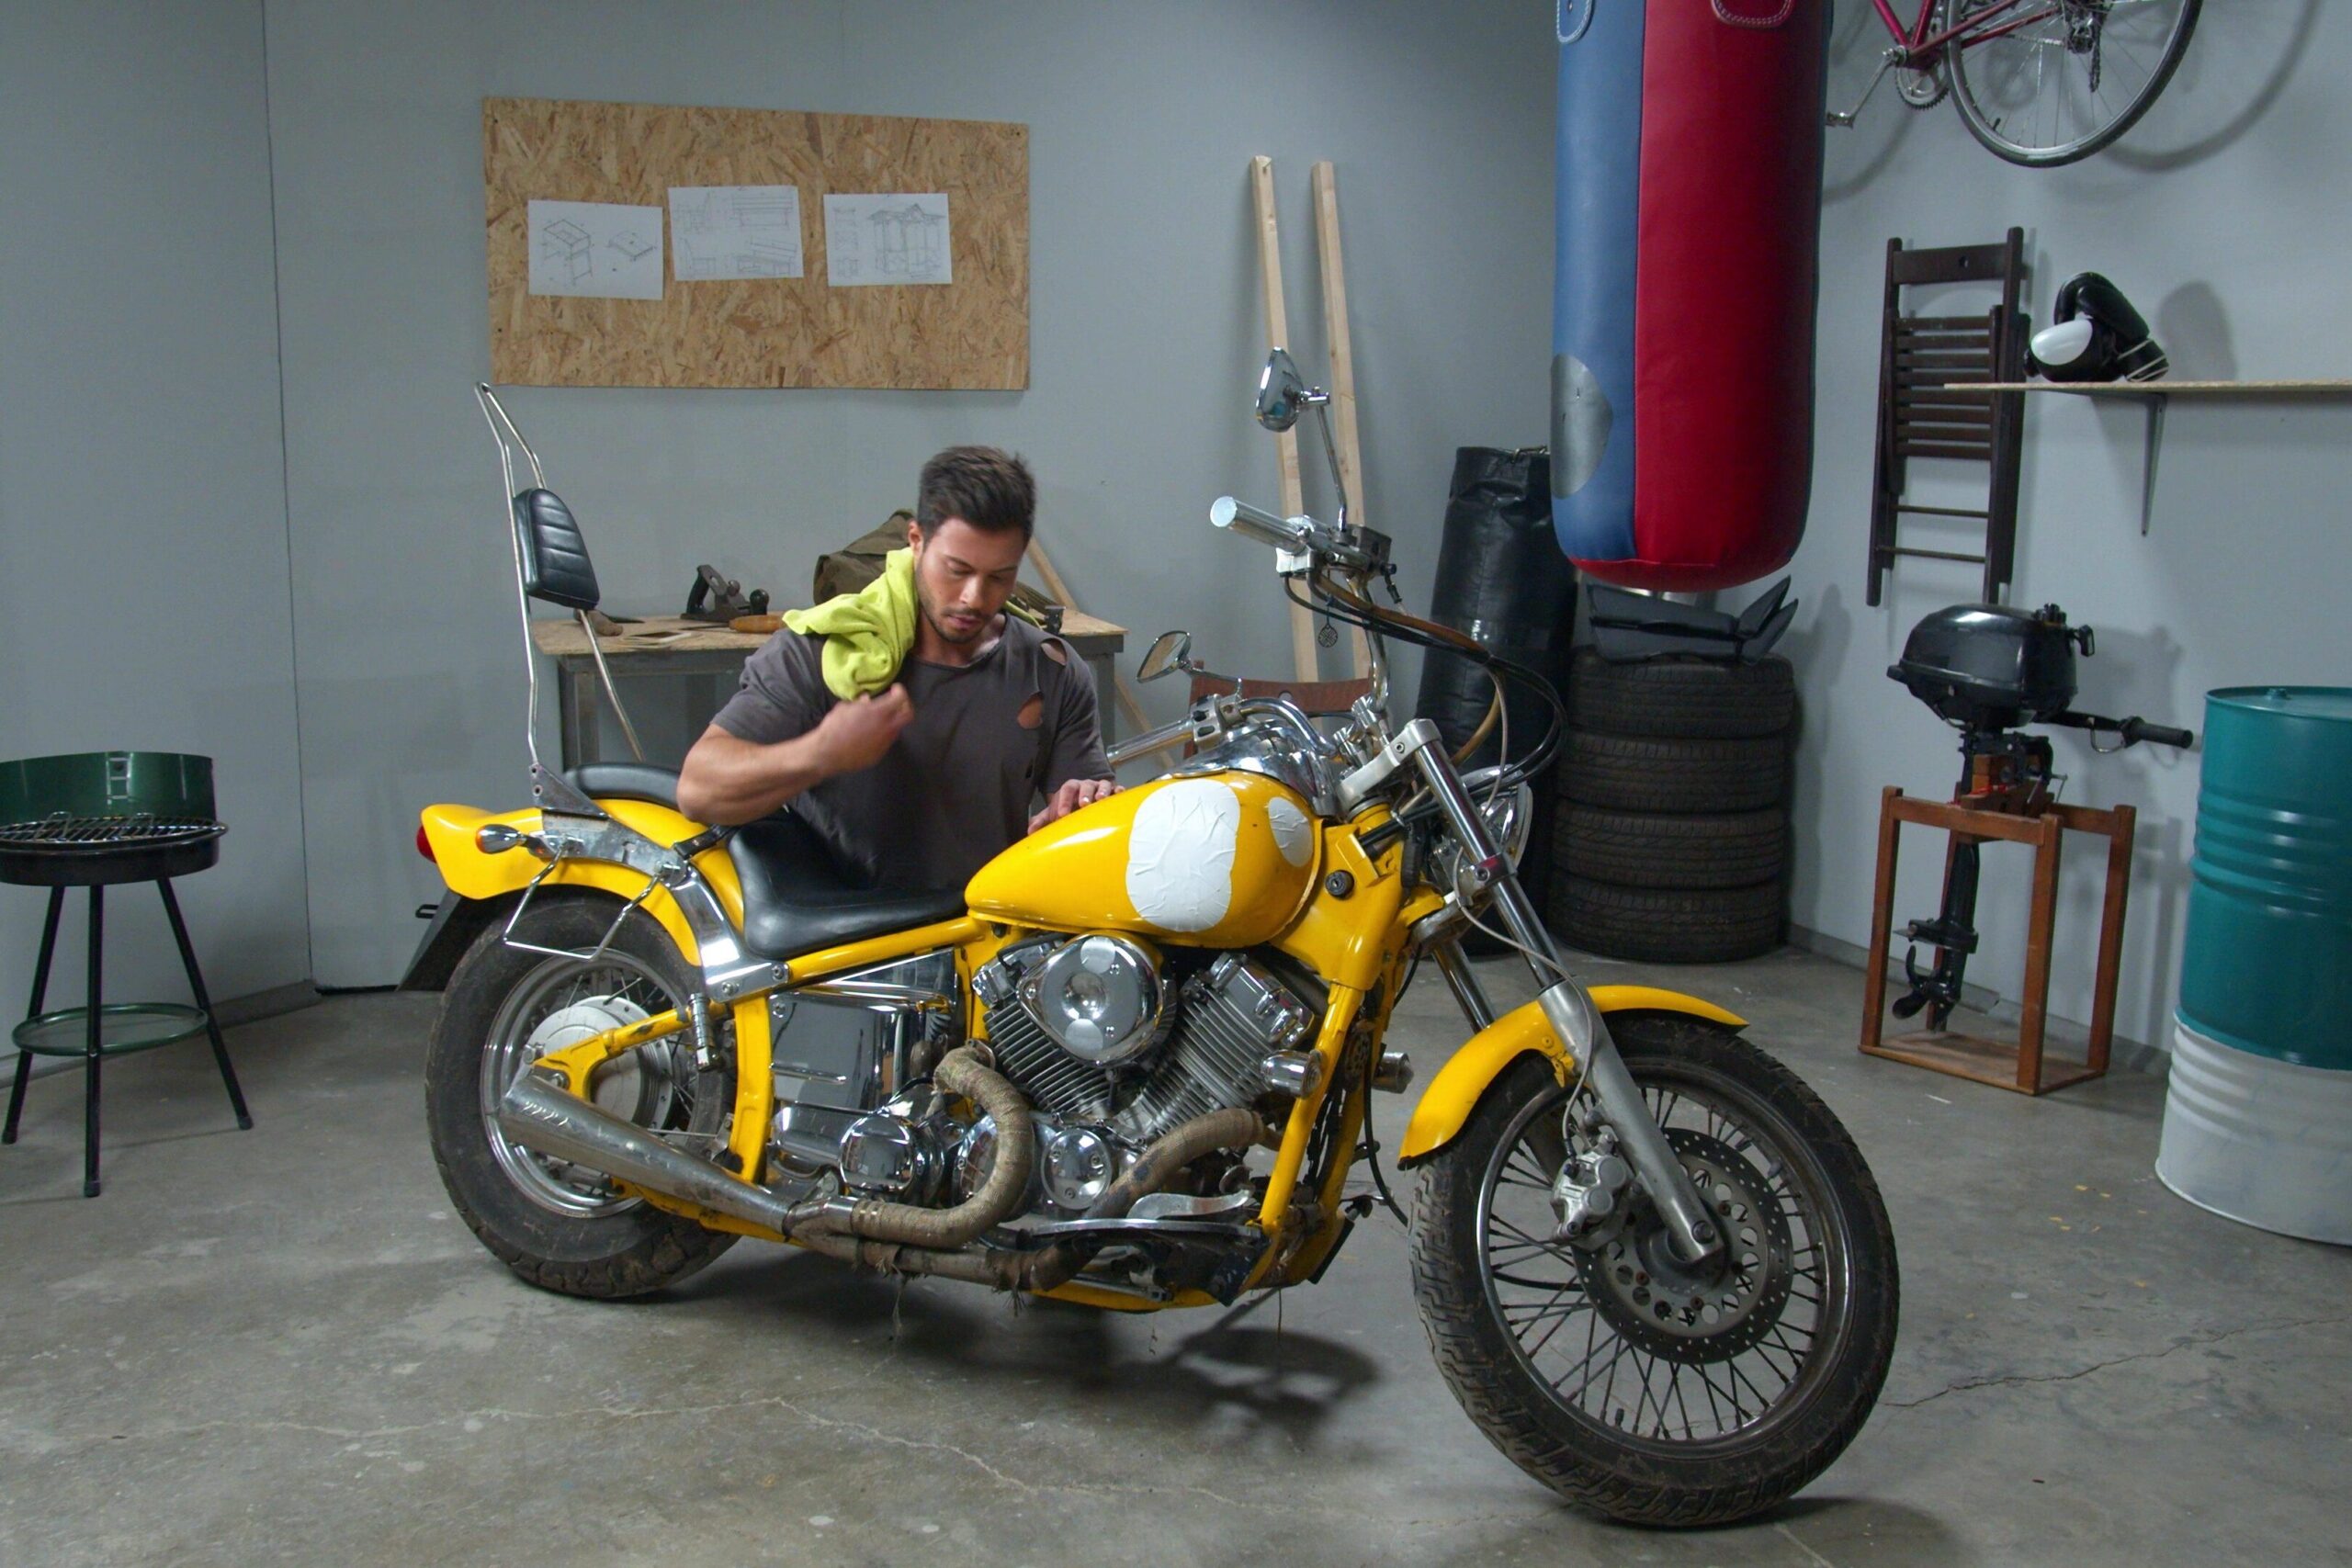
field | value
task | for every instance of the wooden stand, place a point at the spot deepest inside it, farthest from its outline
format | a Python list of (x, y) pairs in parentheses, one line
[(2020, 1067)]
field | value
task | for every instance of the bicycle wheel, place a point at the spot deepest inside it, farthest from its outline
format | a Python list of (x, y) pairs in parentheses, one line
[(2065, 78)]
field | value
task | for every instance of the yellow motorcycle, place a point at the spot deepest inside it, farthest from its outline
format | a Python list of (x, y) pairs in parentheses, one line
[(1132, 1065)]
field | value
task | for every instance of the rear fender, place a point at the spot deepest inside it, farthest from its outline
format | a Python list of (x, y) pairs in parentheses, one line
[(1454, 1093), (488, 881)]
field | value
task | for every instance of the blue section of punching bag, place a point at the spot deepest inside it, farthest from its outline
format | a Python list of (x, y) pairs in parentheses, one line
[(1599, 195)]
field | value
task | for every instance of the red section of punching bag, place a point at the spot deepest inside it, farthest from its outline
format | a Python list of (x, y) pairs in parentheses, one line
[(1724, 298)]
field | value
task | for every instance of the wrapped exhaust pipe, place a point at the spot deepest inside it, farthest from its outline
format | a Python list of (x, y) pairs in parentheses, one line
[(543, 1116)]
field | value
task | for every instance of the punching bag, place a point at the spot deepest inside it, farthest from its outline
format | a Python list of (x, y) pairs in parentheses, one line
[(1501, 578), (1689, 212)]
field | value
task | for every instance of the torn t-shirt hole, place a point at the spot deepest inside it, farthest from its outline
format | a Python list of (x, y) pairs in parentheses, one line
[(1054, 650), (1033, 711)]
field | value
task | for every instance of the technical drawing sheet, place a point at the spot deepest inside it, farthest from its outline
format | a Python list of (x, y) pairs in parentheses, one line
[(734, 232), (892, 238), (597, 249)]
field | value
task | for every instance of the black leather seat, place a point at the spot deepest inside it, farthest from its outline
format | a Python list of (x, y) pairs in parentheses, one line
[(797, 896), (627, 781)]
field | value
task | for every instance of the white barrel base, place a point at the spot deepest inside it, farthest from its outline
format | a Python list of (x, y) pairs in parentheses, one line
[(2258, 1140)]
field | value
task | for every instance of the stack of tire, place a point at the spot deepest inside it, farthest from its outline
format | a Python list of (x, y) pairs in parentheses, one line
[(1671, 840)]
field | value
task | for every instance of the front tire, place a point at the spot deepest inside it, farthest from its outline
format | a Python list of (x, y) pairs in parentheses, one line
[(562, 1227), (1628, 1387)]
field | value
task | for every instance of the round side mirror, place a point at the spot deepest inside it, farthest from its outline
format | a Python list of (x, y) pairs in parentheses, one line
[(1283, 393), (1169, 652)]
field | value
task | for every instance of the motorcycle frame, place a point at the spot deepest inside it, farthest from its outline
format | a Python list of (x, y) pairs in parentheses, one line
[(1359, 942), (1359, 931)]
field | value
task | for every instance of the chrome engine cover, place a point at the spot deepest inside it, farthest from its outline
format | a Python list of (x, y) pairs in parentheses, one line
[(896, 1151), (1100, 998), (1232, 1015)]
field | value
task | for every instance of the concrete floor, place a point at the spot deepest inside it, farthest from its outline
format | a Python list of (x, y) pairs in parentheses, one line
[(281, 1345)]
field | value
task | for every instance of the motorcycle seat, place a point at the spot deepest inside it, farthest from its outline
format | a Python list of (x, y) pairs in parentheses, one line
[(797, 896)]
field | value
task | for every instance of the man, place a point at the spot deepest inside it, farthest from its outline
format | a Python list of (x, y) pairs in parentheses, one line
[(923, 783)]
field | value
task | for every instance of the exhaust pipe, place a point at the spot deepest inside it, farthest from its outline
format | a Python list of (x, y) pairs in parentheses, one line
[(548, 1119)]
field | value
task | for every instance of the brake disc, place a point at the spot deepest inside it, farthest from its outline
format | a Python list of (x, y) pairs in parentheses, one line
[(1665, 1307), (630, 1086)]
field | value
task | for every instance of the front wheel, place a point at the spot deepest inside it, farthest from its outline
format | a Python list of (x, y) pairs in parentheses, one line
[(559, 1225), (2068, 78), (1624, 1380)]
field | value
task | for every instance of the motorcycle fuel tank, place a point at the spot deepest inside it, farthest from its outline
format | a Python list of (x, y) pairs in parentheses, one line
[(1222, 860)]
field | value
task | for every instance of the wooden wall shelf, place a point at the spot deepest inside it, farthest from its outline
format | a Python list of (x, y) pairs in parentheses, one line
[(2157, 395)]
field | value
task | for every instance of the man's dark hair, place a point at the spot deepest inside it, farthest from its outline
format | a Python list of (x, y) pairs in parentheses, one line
[(992, 491)]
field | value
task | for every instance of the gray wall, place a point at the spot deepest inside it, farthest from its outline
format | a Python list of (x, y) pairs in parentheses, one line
[(1145, 336), (144, 586), (2225, 216)]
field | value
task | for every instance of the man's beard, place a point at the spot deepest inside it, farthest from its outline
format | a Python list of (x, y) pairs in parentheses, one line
[(940, 626)]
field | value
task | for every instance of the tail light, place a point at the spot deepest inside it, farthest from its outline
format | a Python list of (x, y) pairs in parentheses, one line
[(423, 844)]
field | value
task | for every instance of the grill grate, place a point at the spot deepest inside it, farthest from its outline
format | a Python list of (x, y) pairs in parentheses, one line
[(62, 834)]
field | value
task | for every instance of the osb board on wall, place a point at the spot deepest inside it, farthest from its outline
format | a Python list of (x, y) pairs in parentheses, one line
[(973, 332)]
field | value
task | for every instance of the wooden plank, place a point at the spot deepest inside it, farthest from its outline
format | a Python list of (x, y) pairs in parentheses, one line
[(1305, 663), (1326, 184), (772, 331), (2166, 389)]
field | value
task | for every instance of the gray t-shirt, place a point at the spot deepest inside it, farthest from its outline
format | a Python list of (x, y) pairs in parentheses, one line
[(960, 782)]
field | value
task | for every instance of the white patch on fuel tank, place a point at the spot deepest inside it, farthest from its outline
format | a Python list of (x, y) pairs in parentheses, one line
[(1180, 855), (1293, 830)]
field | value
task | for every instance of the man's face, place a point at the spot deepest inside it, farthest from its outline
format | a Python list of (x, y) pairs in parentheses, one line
[(963, 576)]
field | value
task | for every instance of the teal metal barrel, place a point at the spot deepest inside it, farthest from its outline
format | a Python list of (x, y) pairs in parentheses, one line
[(2267, 965), (2258, 1110)]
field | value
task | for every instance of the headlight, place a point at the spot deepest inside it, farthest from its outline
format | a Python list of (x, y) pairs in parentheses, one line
[(1508, 816)]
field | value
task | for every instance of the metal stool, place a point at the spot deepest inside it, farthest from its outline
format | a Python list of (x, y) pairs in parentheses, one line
[(91, 820)]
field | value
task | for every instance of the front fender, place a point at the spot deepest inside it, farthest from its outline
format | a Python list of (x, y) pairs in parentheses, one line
[(1462, 1082)]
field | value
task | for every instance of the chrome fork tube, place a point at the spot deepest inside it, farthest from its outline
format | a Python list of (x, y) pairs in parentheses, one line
[(1567, 1007), (1463, 981)]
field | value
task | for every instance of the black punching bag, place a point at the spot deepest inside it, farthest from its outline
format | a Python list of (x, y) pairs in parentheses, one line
[(1501, 578)]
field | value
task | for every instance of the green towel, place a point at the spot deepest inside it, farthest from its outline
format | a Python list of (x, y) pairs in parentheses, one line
[(868, 634)]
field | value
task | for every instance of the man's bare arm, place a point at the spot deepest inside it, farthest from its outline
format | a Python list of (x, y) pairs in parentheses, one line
[(727, 780)]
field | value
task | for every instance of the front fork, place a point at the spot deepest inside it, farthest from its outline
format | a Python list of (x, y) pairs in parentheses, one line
[(1567, 1007)]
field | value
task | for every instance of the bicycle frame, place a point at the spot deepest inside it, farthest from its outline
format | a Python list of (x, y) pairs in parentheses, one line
[(1920, 47)]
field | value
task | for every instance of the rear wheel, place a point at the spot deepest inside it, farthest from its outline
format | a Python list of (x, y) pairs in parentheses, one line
[(561, 1226), (1627, 1381), (2070, 81)]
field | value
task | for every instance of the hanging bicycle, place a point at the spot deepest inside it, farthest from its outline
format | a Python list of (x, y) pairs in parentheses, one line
[(2039, 82)]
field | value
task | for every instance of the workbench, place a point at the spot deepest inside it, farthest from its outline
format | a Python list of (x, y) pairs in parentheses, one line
[(670, 645)]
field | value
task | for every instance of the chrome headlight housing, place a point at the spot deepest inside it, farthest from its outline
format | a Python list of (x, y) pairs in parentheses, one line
[(1509, 813)]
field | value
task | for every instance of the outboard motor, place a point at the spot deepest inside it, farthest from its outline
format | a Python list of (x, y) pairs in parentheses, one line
[(1987, 671), (2096, 336)]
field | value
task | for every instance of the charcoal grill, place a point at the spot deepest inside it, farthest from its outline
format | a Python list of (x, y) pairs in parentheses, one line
[(92, 820)]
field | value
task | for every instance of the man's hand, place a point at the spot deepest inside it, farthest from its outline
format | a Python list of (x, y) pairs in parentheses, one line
[(1073, 794), (856, 733)]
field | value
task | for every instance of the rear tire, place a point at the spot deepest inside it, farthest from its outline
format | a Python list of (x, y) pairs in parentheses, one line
[(1807, 1320), (2026, 95), (559, 1227)]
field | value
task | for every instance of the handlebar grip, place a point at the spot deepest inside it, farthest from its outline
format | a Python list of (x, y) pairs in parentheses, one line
[(2162, 734), (1251, 523)]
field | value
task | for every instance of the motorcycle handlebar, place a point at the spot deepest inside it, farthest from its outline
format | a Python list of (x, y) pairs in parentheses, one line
[(1252, 522)]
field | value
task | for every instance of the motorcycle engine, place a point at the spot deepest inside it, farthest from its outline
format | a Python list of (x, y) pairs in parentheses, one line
[(1112, 1054)]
